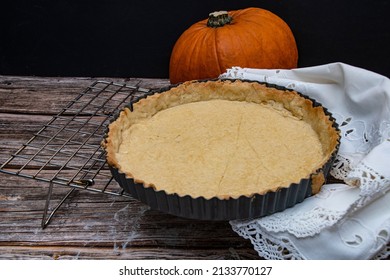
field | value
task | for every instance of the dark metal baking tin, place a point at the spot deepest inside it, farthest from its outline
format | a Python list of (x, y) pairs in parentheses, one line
[(244, 207)]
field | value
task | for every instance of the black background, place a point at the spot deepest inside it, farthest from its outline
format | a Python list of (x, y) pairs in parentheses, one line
[(121, 38)]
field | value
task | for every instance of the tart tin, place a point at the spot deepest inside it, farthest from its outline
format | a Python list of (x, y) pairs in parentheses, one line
[(244, 207)]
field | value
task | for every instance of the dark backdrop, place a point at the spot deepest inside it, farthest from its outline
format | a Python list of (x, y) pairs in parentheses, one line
[(125, 38)]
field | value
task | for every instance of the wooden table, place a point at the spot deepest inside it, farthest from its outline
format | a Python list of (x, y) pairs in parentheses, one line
[(88, 225)]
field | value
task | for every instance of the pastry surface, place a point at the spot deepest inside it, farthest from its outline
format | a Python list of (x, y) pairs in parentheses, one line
[(220, 148)]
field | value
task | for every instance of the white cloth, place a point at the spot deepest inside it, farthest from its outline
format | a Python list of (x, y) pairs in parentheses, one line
[(343, 221)]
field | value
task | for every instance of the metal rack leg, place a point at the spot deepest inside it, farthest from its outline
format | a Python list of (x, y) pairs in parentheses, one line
[(46, 218)]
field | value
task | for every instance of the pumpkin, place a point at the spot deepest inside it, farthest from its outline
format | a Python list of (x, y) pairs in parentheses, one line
[(251, 37)]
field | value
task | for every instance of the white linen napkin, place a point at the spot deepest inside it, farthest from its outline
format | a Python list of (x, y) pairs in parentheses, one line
[(343, 221)]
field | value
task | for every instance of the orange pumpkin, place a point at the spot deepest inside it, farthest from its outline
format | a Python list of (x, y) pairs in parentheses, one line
[(251, 37)]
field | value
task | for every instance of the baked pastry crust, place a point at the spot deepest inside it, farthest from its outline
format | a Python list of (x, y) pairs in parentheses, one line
[(222, 139)]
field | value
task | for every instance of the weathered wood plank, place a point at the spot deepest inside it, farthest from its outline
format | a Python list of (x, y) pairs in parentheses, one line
[(133, 253), (41, 95)]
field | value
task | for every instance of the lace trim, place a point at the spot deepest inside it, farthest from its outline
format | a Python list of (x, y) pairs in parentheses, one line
[(302, 224), (266, 246), (341, 167), (372, 184), (384, 254), (272, 248)]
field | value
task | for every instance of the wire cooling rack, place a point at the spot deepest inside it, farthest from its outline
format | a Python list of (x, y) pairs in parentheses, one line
[(66, 151)]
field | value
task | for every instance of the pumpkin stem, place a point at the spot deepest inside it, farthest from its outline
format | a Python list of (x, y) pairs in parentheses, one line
[(218, 19)]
